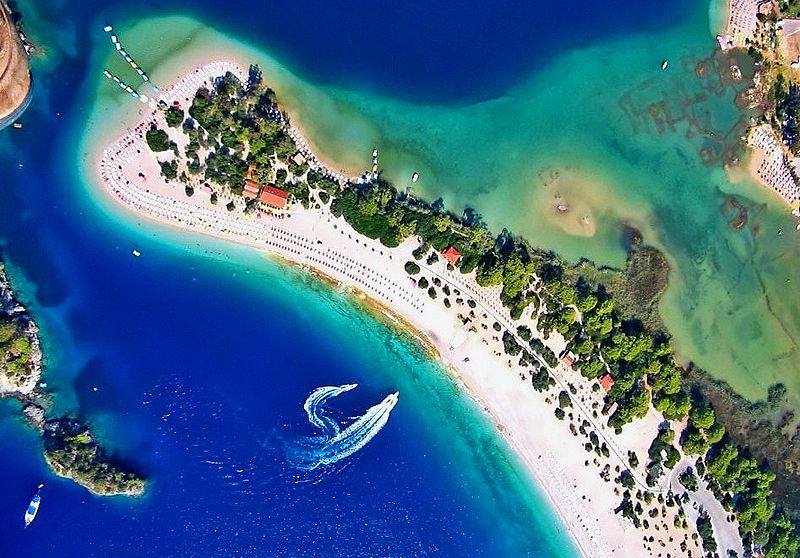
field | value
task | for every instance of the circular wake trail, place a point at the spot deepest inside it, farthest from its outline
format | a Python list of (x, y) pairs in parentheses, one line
[(316, 412), (335, 444)]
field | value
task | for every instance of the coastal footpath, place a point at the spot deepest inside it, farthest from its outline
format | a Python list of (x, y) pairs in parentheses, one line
[(15, 77), (69, 447), (530, 341)]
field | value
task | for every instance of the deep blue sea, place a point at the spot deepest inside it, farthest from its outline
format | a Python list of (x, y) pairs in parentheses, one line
[(193, 361)]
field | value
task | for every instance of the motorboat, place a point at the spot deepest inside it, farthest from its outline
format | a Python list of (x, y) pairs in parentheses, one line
[(33, 506)]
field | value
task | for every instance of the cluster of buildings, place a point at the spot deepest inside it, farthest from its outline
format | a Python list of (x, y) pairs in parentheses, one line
[(606, 381), (270, 194)]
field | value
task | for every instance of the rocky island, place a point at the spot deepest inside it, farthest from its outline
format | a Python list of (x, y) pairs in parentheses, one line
[(69, 446), (72, 452), (15, 76)]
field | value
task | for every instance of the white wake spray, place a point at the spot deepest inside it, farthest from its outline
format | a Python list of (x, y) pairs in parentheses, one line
[(316, 412), (335, 444)]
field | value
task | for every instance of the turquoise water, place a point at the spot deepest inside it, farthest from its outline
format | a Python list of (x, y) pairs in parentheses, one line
[(202, 353), (626, 142), (630, 144), (228, 344), (193, 362)]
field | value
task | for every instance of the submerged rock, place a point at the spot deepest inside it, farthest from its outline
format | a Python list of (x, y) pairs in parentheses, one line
[(35, 415)]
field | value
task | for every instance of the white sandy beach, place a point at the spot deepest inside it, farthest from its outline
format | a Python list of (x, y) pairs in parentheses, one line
[(555, 457)]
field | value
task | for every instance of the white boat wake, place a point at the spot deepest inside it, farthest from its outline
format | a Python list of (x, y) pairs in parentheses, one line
[(335, 444)]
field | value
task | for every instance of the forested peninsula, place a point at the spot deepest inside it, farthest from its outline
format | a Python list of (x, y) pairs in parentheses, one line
[(69, 446)]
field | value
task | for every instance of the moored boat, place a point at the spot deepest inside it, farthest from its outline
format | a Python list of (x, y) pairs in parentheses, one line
[(33, 507)]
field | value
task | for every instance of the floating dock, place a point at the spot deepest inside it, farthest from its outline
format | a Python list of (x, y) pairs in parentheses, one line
[(128, 89), (129, 59)]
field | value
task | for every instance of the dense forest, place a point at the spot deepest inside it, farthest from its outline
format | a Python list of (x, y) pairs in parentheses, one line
[(787, 103)]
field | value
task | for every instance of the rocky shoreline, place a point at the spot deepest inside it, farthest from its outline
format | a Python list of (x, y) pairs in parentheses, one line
[(15, 77), (70, 449)]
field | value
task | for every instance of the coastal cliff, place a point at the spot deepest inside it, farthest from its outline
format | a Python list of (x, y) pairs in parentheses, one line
[(15, 76), (69, 446)]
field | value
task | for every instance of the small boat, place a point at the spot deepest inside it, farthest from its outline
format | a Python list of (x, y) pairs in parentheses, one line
[(374, 152), (33, 507), (415, 177), (136, 253), (107, 28), (664, 64), (18, 125)]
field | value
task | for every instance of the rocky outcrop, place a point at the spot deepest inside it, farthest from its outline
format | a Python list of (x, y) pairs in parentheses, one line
[(15, 76)]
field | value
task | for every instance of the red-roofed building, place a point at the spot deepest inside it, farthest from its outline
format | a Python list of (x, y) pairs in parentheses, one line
[(606, 382), (273, 196), (251, 189), (568, 359), (451, 255), (251, 173)]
